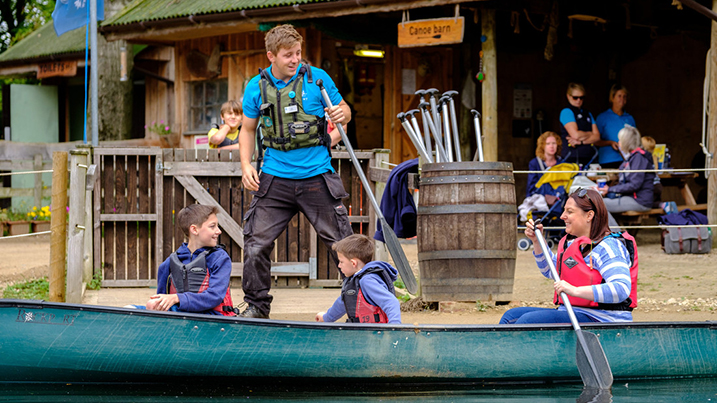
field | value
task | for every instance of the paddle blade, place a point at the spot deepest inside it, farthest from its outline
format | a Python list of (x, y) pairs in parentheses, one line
[(592, 362), (399, 257)]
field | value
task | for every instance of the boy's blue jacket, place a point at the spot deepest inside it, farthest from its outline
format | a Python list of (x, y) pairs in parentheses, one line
[(219, 266), (375, 292)]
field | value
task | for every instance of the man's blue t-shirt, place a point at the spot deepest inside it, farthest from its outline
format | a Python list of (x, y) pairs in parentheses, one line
[(609, 124), (303, 162)]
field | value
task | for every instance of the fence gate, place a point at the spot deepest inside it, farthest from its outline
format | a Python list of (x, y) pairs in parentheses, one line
[(127, 210), (140, 191)]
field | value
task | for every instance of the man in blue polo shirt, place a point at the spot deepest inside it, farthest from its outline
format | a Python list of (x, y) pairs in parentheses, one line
[(297, 175)]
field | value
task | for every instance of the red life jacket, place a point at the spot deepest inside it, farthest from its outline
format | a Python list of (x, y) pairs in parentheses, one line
[(358, 309), (579, 273), (194, 277)]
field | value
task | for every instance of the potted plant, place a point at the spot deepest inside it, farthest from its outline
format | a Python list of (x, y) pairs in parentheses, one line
[(165, 133), (40, 218), (17, 223)]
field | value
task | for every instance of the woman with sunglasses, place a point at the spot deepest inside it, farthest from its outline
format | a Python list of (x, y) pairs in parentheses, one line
[(594, 267), (609, 124), (578, 130)]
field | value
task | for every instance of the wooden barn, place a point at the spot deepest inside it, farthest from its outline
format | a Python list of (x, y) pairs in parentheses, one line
[(202, 53)]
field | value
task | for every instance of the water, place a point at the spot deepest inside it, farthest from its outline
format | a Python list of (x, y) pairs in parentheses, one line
[(683, 391)]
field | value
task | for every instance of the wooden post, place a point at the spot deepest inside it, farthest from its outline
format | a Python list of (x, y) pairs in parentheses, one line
[(489, 116), (58, 237), (712, 126), (37, 166), (380, 251), (76, 241)]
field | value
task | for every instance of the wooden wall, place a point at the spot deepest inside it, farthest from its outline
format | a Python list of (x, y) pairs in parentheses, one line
[(242, 56)]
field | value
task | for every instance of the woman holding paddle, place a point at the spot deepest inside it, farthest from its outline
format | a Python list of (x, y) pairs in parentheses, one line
[(595, 267)]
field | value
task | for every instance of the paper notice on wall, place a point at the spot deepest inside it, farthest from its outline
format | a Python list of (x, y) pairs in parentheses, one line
[(408, 81), (522, 102)]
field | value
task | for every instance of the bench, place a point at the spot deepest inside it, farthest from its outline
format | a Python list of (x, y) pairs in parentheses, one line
[(636, 217)]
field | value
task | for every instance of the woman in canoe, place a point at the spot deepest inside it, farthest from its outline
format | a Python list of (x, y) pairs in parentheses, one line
[(595, 267)]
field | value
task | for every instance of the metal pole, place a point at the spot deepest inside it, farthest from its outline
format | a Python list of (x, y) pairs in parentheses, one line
[(446, 127), (454, 123), (432, 92), (479, 138), (94, 62), (414, 138), (410, 115), (441, 155), (426, 130)]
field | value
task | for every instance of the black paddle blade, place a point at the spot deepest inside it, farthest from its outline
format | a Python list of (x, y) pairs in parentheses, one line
[(592, 362), (399, 258)]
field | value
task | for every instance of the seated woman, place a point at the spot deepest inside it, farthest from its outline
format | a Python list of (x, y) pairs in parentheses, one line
[(547, 154), (634, 191), (594, 267)]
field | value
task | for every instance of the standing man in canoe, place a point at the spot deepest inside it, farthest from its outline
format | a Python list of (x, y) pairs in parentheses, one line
[(297, 174)]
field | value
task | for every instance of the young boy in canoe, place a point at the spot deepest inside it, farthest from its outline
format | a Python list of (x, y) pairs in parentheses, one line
[(367, 295), (195, 278)]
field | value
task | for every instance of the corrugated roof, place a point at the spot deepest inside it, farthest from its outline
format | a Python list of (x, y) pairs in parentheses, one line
[(152, 10), (45, 42)]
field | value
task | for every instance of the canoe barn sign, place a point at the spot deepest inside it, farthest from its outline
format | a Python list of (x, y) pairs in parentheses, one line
[(438, 31), (59, 68)]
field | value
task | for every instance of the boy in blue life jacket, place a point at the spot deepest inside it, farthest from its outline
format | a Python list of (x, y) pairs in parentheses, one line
[(367, 295), (195, 278)]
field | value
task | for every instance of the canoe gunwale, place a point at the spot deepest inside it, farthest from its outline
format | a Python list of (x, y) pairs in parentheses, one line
[(40, 304)]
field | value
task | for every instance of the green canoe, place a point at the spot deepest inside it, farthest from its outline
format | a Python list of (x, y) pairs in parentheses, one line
[(54, 342)]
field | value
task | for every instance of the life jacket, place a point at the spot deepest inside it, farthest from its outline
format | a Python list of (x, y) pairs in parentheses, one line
[(227, 141), (579, 154), (194, 277), (358, 309), (284, 124), (579, 273)]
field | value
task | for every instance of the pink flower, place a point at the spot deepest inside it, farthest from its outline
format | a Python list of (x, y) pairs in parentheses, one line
[(145, 126), (161, 122), (166, 128), (154, 123)]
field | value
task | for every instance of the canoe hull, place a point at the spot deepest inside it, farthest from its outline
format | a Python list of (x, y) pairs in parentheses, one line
[(45, 342)]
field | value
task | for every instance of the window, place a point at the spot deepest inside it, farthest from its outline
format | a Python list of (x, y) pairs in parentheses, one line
[(205, 103)]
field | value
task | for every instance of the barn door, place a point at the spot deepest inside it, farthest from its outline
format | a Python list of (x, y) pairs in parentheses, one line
[(410, 70)]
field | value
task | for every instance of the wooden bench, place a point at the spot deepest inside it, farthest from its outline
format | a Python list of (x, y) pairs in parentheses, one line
[(636, 217)]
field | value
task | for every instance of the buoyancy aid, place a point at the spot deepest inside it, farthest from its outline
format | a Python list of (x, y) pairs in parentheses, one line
[(579, 153), (284, 123), (194, 277), (573, 269), (227, 141), (358, 309)]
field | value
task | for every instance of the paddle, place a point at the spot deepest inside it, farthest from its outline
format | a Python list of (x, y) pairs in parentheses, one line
[(592, 363), (394, 247)]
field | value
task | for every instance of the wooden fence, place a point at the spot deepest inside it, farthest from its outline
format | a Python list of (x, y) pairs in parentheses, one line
[(139, 191)]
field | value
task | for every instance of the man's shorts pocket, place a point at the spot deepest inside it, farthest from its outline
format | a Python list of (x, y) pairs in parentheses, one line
[(336, 187), (264, 182)]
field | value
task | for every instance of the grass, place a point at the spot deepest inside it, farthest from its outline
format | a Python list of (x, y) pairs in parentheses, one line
[(33, 289)]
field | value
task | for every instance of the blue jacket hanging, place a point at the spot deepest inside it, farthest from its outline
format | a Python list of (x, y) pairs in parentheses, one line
[(397, 202)]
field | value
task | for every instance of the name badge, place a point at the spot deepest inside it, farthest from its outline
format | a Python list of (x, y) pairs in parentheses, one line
[(291, 109)]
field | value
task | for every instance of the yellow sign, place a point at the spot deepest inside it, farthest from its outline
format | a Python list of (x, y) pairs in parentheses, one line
[(439, 31), (59, 68)]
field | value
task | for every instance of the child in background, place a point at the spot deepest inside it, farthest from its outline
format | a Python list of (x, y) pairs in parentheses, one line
[(227, 135), (367, 295), (648, 144)]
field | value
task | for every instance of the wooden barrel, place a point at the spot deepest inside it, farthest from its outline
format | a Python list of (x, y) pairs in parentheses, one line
[(466, 231)]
